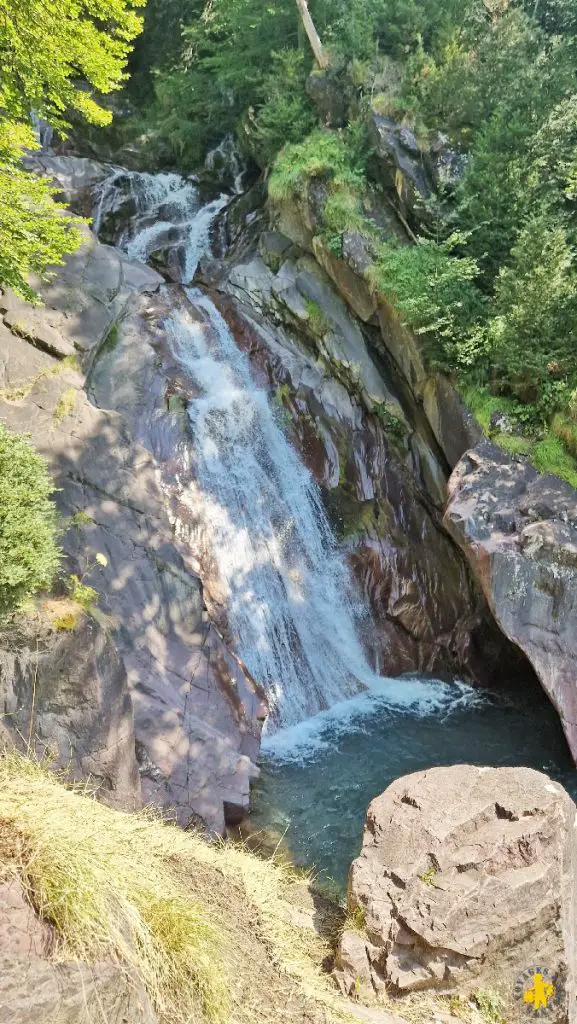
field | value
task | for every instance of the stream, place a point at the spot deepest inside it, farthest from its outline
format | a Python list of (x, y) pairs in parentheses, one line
[(337, 733)]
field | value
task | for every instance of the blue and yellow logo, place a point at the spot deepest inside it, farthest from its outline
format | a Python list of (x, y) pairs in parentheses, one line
[(538, 990)]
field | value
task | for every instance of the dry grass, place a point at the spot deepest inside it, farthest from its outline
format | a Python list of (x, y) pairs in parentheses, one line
[(65, 406), (208, 928)]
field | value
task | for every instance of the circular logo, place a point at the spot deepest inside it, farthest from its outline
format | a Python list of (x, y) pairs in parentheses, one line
[(538, 990)]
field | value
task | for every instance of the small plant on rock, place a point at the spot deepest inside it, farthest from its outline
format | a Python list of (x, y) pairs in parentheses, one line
[(80, 592)]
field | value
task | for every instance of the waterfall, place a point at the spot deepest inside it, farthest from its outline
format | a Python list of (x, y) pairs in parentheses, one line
[(44, 133), (225, 163), (290, 605), (289, 599)]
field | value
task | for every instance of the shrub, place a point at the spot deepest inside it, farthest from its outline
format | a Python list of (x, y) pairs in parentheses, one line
[(29, 553), (550, 456), (82, 593), (433, 290), (323, 154)]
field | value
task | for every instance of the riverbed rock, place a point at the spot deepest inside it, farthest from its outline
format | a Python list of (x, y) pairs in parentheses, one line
[(117, 447), (467, 879), (75, 177), (518, 529)]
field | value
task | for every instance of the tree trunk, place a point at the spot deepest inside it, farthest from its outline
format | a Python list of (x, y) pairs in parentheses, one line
[(313, 36)]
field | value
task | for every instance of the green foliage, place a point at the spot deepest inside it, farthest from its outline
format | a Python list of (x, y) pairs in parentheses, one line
[(50, 50), (285, 116), (434, 291), (532, 334), (323, 154), (222, 76), (550, 451), (356, 920), (34, 232), (29, 553), (483, 404), (317, 320), (394, 427), (564, 428), (490, 1006), (81, 518), (85, 596), (66, 622), (550, 456), (491, 289)]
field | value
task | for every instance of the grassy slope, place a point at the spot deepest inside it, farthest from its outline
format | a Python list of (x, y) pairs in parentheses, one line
[(207, 927)]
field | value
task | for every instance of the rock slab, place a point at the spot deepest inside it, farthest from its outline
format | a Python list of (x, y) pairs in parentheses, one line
[(518, 530), (467, 879)]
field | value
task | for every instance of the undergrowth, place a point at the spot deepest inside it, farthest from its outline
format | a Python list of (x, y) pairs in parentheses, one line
[(548, 447)]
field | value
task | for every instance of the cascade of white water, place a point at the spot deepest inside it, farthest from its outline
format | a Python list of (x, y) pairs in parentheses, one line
[(224, 160), (289, 599), (161, 203)]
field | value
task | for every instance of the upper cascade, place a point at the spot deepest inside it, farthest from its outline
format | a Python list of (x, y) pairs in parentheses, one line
[(162, 210)]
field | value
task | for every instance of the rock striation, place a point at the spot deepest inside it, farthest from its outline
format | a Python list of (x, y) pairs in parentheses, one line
[(467, 879)]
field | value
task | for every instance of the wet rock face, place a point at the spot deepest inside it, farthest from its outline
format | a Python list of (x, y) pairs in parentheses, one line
[(518, 530), (466, 879), (345, 418), (112, 455)]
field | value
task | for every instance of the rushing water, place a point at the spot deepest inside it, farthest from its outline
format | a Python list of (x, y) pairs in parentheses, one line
[(288, 593), (290, 606), (291, 609), (164, 205)]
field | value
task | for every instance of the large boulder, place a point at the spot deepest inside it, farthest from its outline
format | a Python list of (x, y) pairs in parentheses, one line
[(518, 529), (467, 879)]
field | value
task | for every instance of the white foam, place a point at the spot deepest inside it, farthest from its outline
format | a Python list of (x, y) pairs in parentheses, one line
[(418, 698)]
